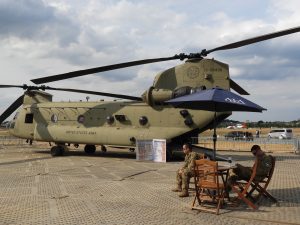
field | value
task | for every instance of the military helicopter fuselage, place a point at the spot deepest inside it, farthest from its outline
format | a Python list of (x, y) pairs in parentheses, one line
[(123, 123)]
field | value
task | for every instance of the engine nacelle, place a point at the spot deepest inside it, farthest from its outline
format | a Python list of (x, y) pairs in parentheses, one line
[(158, 96)]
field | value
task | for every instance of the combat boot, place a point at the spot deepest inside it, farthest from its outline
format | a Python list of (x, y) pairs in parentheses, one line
[(184, 193), (178, 189)]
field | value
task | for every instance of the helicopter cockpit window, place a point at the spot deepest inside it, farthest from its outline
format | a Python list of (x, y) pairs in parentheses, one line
[(198, 89), (186, 90), (54, 118), (81, 119), (29, 118), (181, 91)]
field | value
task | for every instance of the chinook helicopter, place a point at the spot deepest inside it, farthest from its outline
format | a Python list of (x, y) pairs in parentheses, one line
[(122, 123)]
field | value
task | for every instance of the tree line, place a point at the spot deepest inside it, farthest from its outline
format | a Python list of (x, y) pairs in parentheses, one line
[(261, 123)]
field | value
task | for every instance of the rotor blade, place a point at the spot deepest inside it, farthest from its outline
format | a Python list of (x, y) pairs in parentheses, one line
[(96, 93), (181, 56), (13, 107), (78, 73), (11, 86), (254, 40), (43, 87), (238, 88)]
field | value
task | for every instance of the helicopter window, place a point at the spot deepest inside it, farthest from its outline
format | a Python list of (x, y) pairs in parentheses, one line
[(110, 119), (133, 140), (188, 121), (80, 119), (184, 113), (54, 118), (197, 89), (29, 118), (120, 118), (143, 120)]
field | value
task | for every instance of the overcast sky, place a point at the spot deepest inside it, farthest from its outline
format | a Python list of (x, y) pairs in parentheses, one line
[(47, 37)]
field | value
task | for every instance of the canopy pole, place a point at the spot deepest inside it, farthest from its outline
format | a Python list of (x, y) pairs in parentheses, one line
[(215, 136)]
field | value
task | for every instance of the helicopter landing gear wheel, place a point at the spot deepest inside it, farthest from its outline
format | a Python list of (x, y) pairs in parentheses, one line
[(103, 148), (57, 150), (90, 149)]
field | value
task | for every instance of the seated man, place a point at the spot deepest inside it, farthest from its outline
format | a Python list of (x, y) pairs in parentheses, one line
[(184, 173), (244, 173)]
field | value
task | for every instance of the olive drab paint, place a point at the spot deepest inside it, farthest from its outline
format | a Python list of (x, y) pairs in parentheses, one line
[(119, 123)]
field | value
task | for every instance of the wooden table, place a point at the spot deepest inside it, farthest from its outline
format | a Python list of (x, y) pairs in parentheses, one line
[(223, 171)]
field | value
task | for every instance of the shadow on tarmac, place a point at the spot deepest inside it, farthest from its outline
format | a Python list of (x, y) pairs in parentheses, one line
[(24, 161)]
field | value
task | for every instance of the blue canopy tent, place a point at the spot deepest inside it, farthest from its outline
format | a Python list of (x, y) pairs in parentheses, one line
[(215, 100)]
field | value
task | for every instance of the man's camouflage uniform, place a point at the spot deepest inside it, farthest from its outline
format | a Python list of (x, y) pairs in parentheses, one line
[(264, 164), (187, 171)]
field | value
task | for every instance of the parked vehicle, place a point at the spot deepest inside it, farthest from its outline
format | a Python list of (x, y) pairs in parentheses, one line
[(281, 133), (248, 136), (239, 135)]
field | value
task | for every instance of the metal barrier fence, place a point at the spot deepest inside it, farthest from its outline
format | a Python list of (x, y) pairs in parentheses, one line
[(268, 145), (297, 146)]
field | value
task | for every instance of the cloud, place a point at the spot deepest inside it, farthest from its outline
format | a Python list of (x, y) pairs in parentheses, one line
[(47, 37), (34, 20), (280, 97), (23, 18)]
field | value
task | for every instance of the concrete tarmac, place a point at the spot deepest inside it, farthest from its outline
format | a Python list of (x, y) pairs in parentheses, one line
[(114, 188)]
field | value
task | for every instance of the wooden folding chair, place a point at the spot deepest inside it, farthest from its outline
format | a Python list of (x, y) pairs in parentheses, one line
[(261, 185), (209, 192), (199, 156), (243, 188)]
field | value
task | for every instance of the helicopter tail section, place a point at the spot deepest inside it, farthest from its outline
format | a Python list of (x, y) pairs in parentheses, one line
[(33, 97)]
